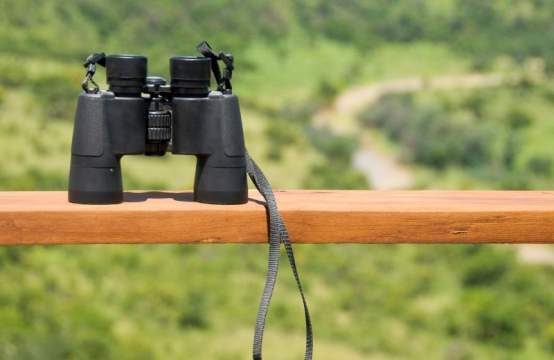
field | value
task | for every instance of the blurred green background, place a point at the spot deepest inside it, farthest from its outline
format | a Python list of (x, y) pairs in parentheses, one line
[(453, 94)]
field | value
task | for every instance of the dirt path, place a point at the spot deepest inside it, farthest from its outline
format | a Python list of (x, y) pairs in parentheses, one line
[(535, 254), (381, 168), (353, 100)]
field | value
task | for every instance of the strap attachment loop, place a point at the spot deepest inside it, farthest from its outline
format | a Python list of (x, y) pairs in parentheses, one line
[(90, 64), (223, 81)]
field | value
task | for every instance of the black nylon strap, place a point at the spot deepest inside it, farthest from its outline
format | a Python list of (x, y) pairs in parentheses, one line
[(277, 233), (206, 50)]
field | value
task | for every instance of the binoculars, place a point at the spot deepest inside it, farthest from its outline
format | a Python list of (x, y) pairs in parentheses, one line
[(144, 115)]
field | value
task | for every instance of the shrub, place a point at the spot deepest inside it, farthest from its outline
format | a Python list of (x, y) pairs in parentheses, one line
[(336, 148), (57, 95), (34, 178), (486, 266), (280, 135), (428, 135), (494, 318), (517, 118), (335, 172), (540, 165), (327, 176)]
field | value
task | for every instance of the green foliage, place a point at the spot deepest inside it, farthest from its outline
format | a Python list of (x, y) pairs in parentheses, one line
[(491, 320), (541, 165), (497, 137), (13, 73), (336, 148), (325, 176), (520, 23), (281, 135), (386, 302), (135, 302), (518, 118), (55, 95), (327, 91), (430, 136), (484, 266), (33, 178), (334, 172), (482, 30)]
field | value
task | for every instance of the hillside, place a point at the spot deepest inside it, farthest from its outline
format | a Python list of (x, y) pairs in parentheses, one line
[(292, 60)]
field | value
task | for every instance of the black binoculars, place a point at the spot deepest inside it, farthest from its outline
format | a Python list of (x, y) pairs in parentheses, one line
[(144, 115)]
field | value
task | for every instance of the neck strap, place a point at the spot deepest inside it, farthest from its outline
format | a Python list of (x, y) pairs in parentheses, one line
[(277, 234)]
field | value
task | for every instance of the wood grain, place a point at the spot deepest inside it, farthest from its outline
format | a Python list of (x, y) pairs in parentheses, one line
[(30, 218)]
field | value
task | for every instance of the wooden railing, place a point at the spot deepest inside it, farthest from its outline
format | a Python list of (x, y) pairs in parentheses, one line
[(33, 218)]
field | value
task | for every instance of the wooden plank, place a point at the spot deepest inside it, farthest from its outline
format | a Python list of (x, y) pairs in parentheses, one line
[(311, 217)]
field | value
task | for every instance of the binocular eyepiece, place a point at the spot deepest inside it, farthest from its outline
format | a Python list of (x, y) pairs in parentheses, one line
[(127, 74), (139, 114), (189, 75)]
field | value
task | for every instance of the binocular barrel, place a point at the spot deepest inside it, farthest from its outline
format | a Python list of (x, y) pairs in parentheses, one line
[(123, 121)]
